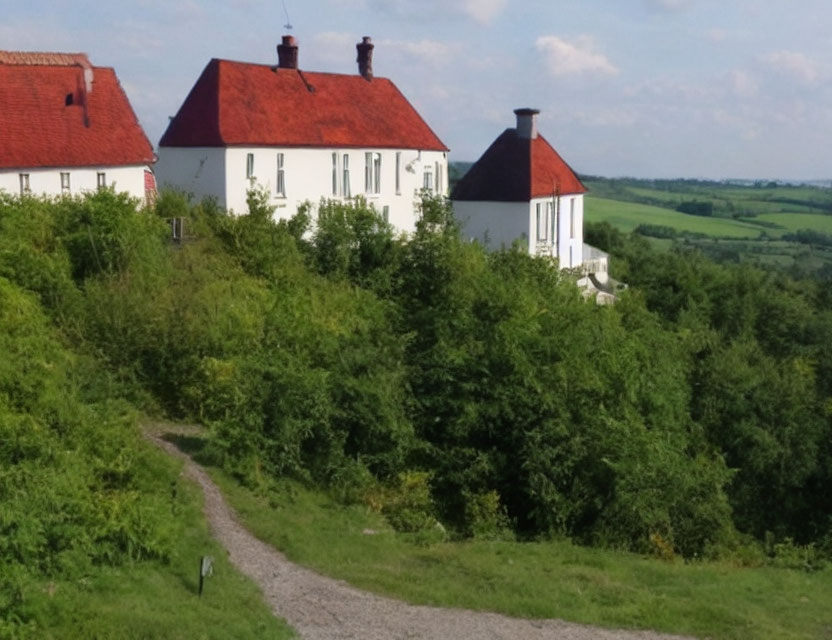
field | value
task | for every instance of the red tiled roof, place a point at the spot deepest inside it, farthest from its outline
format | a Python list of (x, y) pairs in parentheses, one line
[(237, 103), (38, 128), (44, 58), (515, 169)]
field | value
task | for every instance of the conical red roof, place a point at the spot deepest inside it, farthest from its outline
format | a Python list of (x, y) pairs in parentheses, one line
[(517, 169)]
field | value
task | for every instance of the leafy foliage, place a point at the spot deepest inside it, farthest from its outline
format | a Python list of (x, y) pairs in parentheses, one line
[(444, 382)]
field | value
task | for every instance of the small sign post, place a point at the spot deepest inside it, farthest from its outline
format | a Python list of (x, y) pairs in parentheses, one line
[(206, 569)]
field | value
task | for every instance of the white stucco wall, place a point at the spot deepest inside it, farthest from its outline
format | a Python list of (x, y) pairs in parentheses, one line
[(502, 223), (569, 239), (495, 225), (81, 179), (199, 171), (307, 177)]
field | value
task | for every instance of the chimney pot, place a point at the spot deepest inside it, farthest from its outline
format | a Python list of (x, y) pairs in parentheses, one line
[(287, 53), (365, 57), (527, 123)]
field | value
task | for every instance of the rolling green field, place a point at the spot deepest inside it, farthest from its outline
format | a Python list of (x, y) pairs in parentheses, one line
[(749, 223), (796, 221), (628, 215)]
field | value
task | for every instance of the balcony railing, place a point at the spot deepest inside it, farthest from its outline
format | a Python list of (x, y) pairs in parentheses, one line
[(594, 260)]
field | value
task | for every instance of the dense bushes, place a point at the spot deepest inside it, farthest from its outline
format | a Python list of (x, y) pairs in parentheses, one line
[(437, 381), (75, 486)]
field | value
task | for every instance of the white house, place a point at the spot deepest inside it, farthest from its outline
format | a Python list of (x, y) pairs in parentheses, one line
[(301, 136), (67, 127), (521, 189)]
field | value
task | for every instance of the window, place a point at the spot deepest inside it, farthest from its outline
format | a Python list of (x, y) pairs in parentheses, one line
[(428, 179), (101, 179), (439, 179), (64, 183), (377, 173), (385, 213), (280, 188), (372, 172), (24, 184), (346, 182), (249, 166), (542, 227), (398, 172), (334, 173), (549, 214), (572, 218)]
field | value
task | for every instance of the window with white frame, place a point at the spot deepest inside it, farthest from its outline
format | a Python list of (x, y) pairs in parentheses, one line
[(542, 226), (249, 166), (64, 182), (385, 213), (572, 218), (427, 182), (24, 184), (335, 173), (372, 172), (550, 214), (101, 179), (280, 183), (398, 172), (439, 180), (345, 165)]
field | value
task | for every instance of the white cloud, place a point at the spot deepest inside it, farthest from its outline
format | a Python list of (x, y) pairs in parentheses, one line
[(481, 11), (330, 46), (580, 56), (717, 35), (432, 52), (743, 84), (794, 64), (668, 5)]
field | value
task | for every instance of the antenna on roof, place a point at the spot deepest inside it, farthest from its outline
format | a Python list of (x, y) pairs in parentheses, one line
[(288, 25)]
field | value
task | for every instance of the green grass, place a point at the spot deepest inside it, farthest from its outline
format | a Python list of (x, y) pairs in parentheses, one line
[(628, 215), (158, 600), (539, 579), (797, 221)]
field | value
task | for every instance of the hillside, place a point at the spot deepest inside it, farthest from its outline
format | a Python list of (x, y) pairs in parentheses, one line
[(457, 394)]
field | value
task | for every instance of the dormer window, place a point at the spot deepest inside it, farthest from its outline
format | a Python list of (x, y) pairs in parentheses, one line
[(70, 100)]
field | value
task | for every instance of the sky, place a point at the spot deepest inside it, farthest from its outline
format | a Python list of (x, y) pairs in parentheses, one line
[(644, 88)]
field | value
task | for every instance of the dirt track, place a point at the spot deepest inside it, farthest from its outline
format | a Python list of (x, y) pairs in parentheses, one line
[(320, 608)]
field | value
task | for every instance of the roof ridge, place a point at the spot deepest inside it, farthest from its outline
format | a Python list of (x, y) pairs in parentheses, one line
[(274, 67), (44, 58)]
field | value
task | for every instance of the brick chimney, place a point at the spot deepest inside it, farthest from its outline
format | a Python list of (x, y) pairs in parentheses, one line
[(527, 123), (365, 57), (287, 53)]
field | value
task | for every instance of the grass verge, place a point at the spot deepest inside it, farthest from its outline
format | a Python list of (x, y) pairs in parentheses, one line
[(158, 600), (539, 580)]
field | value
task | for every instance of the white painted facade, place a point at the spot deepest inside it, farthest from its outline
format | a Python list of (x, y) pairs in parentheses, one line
[(390, 179), (546, 226), (58, 181)]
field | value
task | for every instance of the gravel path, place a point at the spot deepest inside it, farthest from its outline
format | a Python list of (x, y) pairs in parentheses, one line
[(320, 608)]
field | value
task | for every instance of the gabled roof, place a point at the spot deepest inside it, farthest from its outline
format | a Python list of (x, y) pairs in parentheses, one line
[(38, 128), (238, 103), (517, 169)]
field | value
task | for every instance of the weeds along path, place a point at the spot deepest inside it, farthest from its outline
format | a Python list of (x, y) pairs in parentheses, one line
[(321, 608)]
